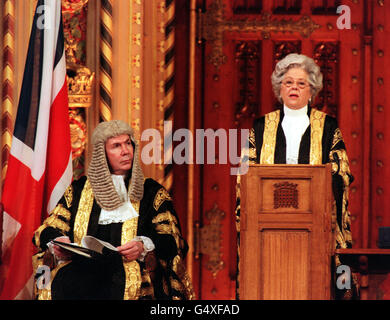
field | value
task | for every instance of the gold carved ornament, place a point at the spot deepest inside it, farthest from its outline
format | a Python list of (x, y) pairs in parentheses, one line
[(73, 5), (285, 195), (161, 196), (80, 86), (80, 82), (208, 240)]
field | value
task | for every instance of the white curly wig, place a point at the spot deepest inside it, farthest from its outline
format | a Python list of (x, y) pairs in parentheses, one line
[(294, 60), (99, 173)]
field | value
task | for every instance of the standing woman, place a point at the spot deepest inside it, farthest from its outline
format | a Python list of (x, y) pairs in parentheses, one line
[(300, 134)]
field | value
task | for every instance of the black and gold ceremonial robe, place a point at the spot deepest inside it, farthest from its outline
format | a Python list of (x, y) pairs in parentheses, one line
[(321, 143), (161, 276)]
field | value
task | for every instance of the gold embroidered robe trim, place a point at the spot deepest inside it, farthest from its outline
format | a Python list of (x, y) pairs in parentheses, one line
[(37, 261), (83, 213), (317, 120), (252, 147), (343, 236), (145, 278), (135, 280), (166, 223), (61, 211), (343, 167), (252, 138), (160, 197), (80, 228), (337, 137), (185, 284), (54, 221), (170, 225), (164, 216), (269, 137), (45, 294), (132, 268), (68, 195)]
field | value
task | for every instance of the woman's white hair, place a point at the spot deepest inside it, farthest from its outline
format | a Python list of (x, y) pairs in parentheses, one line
[(294, 60)]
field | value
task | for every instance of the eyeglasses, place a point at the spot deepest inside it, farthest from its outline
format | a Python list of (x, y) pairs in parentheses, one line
[(301, 84)]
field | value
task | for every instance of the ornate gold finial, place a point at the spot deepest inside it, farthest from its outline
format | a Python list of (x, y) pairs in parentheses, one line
[(80, 83)]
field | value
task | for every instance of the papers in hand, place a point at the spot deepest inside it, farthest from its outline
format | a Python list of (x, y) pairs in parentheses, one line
[(91, 247)]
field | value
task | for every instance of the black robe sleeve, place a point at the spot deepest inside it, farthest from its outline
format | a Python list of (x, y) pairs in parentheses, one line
[(334, 151), (159, 221)]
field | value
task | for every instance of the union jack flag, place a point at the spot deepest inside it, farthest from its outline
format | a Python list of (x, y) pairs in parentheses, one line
[(40, 161)]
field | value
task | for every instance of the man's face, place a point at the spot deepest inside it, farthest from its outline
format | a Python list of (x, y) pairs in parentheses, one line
[(119, 151)]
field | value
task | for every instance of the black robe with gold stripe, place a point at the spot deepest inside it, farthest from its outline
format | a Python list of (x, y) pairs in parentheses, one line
[(161, 276)]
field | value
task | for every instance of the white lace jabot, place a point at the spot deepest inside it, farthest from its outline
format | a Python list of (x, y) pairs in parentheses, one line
[(294, 124), (124, 212)]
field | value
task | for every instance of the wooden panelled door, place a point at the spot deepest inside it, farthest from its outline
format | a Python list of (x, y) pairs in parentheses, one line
[(239, 43)]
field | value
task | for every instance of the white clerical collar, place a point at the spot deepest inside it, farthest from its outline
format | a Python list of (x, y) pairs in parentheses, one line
[(295, 112), (294, 124), (126, 211), (119, 184)]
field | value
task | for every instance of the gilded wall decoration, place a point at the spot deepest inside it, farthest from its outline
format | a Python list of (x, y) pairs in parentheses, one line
[(80, 79), (213, 24), (78, 139), (74, 13), (135, 68), (208, 240)]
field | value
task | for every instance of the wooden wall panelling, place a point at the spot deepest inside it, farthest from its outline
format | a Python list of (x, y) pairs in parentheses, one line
[(216, 177), (346, 89), (351, 113), (351, 110), (367, 124), (357, 86), (326, 54), (380, 154)]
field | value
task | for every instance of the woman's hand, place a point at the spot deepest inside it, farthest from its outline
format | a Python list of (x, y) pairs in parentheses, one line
[(59, 252), (131, 250)]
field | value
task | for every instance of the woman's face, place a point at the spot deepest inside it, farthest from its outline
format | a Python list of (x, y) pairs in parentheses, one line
[(295, 89)]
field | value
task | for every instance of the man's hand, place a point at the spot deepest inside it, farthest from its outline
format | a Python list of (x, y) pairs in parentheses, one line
[(131, 250), (61, 253)]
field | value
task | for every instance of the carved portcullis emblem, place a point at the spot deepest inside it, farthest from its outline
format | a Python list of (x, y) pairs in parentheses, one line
[(285, 195)]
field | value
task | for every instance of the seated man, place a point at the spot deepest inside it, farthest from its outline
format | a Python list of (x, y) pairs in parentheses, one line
[(114, 203)]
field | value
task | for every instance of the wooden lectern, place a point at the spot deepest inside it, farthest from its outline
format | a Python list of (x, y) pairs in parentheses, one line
[(286, 241)]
